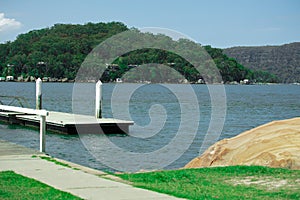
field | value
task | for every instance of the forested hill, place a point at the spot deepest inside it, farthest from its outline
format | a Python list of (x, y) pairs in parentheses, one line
[(62, 48), (283, 61)]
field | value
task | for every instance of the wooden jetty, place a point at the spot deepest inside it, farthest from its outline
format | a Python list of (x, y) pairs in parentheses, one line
[(68, 123), (60, 122)]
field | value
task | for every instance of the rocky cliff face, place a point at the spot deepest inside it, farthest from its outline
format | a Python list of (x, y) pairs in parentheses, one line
[(283, 61)]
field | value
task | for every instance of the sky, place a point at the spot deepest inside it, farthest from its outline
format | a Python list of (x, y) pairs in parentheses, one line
[(219, 23)]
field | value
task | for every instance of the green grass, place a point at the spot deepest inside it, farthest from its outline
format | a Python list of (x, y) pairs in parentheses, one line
[(235, 182), (50, 159), (15, 186), (55, 161)]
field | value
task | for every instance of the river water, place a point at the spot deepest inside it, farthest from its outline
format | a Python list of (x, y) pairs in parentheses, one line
[(160, 113)]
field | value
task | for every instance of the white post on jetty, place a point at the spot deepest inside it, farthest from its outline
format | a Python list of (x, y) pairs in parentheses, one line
[(42, 133), (98, 108), (38, 94)]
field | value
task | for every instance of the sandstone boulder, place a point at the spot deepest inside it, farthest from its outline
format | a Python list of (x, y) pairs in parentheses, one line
[(276, 144)]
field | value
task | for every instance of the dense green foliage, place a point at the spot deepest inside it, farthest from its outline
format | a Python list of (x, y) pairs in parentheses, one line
[(15, 186), (63, 47), (60, 50), (234, 182)]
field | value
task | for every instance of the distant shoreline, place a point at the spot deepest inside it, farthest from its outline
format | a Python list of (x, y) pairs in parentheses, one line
[(73, 81)]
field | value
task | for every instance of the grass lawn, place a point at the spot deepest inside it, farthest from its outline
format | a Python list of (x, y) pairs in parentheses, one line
[(235, 182), (15, 186)]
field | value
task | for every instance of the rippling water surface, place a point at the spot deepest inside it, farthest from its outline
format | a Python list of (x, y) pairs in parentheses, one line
[(157, 112)]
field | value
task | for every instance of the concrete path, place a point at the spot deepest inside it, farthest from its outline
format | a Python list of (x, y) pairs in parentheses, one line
[(85, 183)]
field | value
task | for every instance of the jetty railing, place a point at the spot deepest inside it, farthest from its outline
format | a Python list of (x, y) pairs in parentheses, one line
[(41, 113), (13, 100)]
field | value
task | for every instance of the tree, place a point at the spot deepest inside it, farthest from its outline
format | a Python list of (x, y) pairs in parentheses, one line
[(63, 47)]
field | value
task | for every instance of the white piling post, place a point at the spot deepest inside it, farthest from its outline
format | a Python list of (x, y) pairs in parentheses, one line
[(42, 134), (98, 108), (38, 94)]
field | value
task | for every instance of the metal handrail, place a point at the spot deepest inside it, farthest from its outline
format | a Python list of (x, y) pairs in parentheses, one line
[(20, 100), (25, 110), (41, 113)]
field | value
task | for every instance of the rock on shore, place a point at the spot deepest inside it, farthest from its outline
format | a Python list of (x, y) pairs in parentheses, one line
[(275, 144)]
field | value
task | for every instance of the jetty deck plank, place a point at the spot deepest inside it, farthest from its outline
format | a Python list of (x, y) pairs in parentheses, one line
[(68, 123), (64, 119), (7, 114)]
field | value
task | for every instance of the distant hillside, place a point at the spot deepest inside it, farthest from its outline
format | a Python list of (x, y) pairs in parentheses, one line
[(58, 52), (283, 61)]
